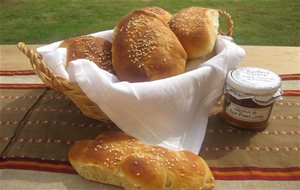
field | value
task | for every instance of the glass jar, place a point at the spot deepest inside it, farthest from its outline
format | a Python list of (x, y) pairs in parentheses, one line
[(249, 95)]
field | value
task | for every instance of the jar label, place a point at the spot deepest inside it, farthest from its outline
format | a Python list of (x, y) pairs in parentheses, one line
[(255, 77), (248, 114)]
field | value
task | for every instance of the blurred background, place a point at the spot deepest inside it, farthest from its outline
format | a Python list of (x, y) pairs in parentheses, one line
[(256, 22)]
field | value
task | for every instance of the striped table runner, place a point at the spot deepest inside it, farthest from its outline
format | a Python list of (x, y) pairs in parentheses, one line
[(38, 126)]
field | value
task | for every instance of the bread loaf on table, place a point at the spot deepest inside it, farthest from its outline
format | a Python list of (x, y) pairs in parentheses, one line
[(144, 48), (197, 30), (95, 49), (119, 159)]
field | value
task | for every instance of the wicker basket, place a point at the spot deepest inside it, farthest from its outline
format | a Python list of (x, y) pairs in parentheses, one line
[(72, 90)]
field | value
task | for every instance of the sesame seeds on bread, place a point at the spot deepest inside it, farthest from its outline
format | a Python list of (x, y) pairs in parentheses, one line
[(197, 30), (119, 159), (95, 49), (150, 43), (145, 49), (164, 15)]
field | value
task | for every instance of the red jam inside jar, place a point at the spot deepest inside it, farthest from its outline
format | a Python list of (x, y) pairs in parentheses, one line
[(250, 93)]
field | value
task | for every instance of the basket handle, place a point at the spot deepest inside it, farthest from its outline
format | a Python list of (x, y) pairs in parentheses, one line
[(45, 74), (229, 23)]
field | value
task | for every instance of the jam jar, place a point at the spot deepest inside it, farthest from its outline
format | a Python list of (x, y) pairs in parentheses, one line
[(249, 95)]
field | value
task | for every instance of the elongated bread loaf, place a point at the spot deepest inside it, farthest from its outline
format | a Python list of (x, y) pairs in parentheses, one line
[(197, 30), (118, 159), (95, 49), (144, 48)]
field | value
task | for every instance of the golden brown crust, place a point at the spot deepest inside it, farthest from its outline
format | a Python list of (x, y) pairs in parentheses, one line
[(144, 48), (119, 159), (92, 48), (197, 29), (164, 15)]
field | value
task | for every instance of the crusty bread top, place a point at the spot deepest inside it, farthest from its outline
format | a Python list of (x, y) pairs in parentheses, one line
[(95, 49), (160, 12), (196, 29), (138, 166), (144, 48)]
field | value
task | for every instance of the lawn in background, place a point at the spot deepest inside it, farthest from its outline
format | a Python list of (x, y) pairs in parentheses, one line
[(257, 22)]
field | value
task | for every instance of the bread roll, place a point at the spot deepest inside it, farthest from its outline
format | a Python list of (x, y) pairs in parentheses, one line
[(144, 48), (118, 159), (95, 49), (164, 15), (197, 30)]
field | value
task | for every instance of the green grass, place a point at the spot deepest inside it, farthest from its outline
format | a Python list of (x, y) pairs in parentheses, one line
[(257, 22)]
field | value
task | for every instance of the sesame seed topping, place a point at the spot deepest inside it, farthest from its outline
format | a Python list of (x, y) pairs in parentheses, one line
[(141, 43), (181, 21)]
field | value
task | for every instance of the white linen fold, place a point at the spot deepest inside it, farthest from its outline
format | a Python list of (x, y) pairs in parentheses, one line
[(171, 112)]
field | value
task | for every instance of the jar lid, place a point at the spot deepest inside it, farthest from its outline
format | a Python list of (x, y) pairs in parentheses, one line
[(254, 80)]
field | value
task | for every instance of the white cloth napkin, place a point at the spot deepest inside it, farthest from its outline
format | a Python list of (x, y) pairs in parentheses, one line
[(171, 112)]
